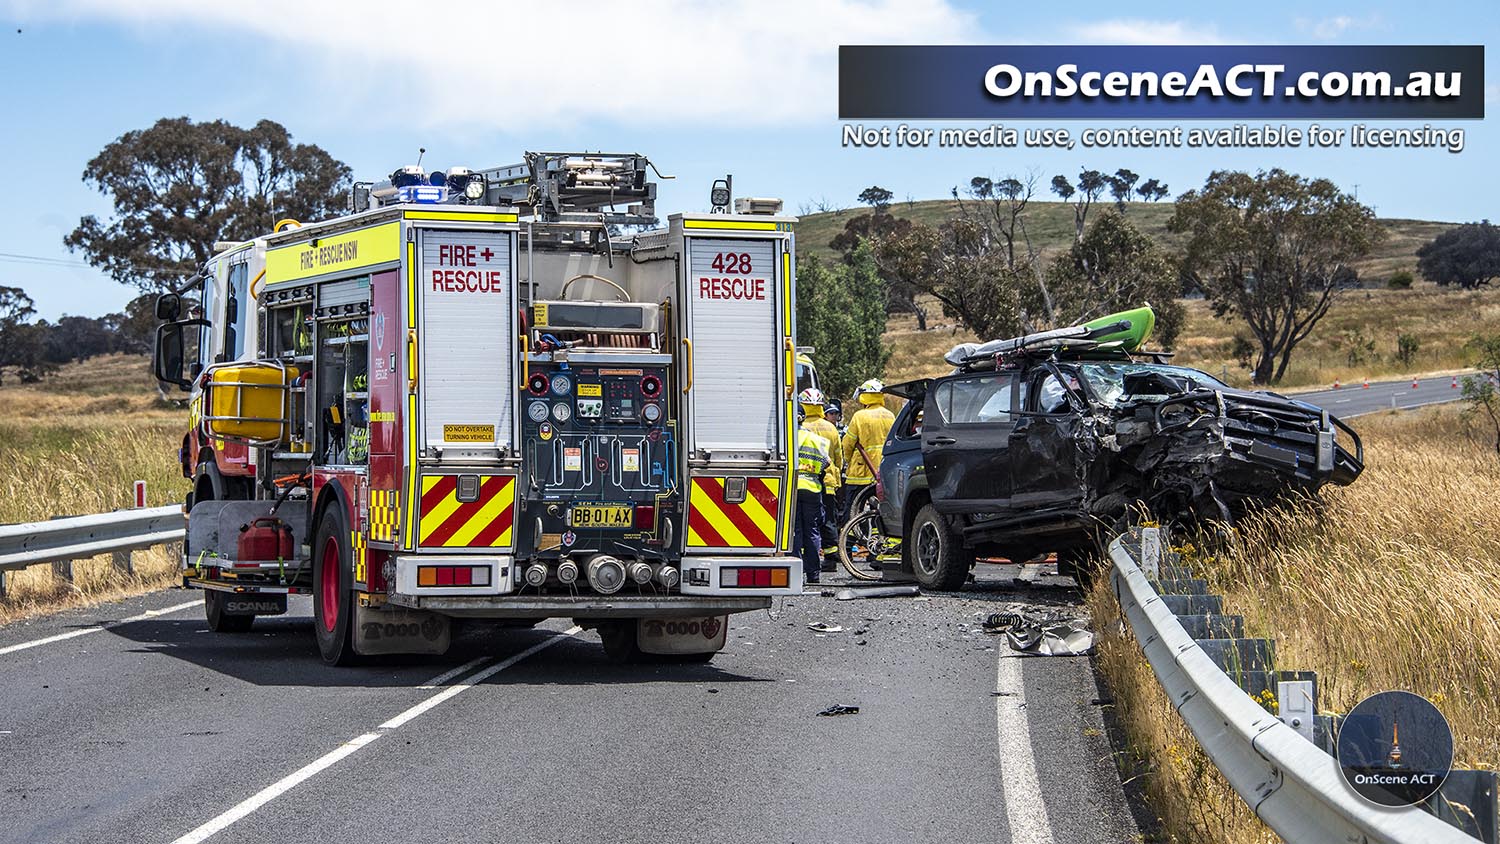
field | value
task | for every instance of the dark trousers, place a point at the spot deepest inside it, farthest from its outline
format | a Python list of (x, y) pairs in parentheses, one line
[(809, 544)]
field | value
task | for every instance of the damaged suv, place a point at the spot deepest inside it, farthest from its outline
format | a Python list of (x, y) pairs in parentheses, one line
[(1042, 444)]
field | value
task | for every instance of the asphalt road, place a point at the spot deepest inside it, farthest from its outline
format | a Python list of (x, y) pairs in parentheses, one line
[(156, 729), (1355, 399)]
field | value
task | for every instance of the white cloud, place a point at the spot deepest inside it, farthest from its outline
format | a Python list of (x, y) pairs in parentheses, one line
[(482, 64), (1138, 31), (1333, 27)]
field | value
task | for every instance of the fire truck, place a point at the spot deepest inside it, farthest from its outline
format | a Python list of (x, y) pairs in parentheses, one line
[(473, 397)]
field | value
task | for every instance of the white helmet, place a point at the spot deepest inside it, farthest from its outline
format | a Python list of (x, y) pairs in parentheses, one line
[(871, 386), (811, 395)]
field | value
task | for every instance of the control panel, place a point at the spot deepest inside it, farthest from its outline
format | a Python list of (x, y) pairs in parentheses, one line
[(600, 458)]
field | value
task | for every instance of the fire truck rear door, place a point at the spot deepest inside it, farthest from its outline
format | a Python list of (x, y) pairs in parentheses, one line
[(467, 342), (735, 322)]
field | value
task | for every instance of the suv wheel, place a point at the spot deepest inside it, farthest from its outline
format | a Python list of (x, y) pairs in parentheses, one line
[(938, 558)]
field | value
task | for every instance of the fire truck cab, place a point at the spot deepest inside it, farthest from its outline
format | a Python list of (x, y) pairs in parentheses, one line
[(472, 397)]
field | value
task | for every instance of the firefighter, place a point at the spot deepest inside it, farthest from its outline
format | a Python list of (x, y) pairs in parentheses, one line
[(813, 461), (834, 413), (811, 400), (864, 443)]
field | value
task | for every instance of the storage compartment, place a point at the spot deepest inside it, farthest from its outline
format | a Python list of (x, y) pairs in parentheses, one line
[(249, 402)]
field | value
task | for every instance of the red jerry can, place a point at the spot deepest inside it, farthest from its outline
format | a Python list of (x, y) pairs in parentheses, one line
[(265, 540)]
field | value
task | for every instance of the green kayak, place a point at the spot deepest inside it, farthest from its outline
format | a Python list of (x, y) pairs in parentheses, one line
[(1129, 328)]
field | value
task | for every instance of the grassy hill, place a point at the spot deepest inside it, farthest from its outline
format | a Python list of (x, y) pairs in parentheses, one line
[(1050, 225)]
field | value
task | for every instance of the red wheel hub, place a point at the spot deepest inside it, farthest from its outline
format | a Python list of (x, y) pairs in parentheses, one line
[(328, 591)]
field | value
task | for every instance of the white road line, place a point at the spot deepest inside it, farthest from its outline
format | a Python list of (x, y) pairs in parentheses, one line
[(1025, 813), (275, 790), (449, 675), (301, 775), (72, 634)]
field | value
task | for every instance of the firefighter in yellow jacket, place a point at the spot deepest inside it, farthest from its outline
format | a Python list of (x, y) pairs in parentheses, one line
[(811, 400), (864, 443), (813, 461)]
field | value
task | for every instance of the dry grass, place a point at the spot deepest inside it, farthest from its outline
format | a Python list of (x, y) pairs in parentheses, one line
[(1393, 584), (1442, 320), (74, 444)]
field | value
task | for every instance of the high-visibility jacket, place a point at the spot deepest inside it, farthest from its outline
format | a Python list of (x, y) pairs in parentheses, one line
[(812, 461), (868, 428), (823, 428)]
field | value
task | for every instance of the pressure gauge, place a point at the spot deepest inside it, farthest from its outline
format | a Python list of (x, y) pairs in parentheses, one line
[(561, 385), (651, 412), (537, 411), (560, 411)]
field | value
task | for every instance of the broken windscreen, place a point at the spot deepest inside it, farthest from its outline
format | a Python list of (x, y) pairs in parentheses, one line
[(1112, 382)]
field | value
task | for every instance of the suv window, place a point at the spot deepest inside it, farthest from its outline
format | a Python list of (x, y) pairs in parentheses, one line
[(978, 400)]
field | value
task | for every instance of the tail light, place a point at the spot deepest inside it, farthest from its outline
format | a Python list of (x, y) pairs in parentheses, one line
[(453, 575), (754, 577), (644, 518)]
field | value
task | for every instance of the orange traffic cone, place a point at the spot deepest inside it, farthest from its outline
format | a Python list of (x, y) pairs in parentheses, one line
[(1367, 383), (1336, 384), (1455, 382), (1413, 383)]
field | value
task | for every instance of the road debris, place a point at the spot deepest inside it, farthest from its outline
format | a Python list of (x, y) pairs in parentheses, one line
[(1043, 633), (825, 627), (840, 709), (878, 592)]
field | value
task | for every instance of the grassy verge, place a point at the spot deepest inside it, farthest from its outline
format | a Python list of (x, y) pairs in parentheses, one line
[(1394, 584), (74, 445)]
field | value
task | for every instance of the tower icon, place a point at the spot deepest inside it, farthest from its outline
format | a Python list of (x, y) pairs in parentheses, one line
[(1393, 759)]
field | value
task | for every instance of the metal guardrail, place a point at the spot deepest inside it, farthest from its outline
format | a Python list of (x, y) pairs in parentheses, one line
[(61, 541), (1290, 783)]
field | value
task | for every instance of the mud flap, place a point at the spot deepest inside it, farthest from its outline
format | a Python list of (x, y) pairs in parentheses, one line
[(232, 604), (394, 630), (680, 635)]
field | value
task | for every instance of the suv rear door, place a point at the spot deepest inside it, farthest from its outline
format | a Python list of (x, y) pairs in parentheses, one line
[(967, 422)]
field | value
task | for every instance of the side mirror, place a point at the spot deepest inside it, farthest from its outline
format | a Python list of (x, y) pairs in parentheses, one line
[(170, 354), (168, 307)]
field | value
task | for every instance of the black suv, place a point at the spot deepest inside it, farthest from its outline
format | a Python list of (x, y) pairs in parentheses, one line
[(1044, 451)]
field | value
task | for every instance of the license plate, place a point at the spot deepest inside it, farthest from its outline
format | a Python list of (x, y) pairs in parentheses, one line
[(600, 516)]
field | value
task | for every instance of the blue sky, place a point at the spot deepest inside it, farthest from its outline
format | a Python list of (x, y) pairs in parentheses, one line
[(704, 89)]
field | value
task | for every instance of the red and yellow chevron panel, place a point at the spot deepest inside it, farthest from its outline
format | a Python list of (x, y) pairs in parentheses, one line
[(447, 522), (713, 523)]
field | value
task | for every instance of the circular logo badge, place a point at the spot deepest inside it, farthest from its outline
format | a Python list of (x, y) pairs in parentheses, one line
[(545, 431), (1395, 748)]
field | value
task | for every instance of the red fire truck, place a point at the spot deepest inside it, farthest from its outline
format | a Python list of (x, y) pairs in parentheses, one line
[(472, 397)]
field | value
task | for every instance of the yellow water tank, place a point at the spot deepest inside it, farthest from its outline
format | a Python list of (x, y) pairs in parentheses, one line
[(249, 401)]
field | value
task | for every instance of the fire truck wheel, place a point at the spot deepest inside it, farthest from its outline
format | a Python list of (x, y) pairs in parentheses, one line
[(619, 641), (218, 620), (332, 607)]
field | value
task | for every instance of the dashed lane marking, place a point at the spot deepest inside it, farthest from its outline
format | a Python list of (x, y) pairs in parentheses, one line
[(348, 748), (73, 634)]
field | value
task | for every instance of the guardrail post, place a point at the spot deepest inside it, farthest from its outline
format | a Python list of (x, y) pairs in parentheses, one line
[(2, 584), (63, 570), (123, 563), (1296, 706), (1151, 551)]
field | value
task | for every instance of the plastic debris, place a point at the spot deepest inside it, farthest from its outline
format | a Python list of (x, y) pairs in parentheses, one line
[(839, 709), (825, 627)]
